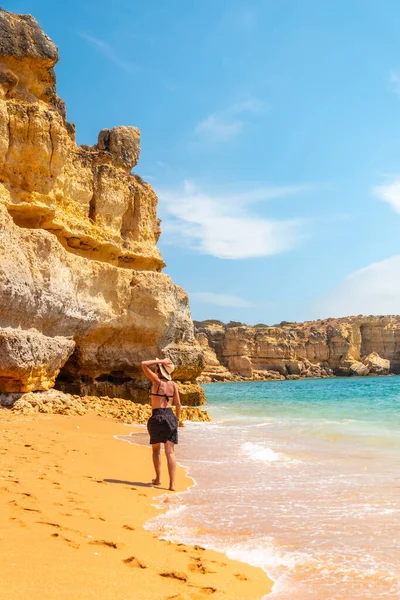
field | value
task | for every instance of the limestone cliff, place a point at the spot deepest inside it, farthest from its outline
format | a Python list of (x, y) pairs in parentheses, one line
[(348, 346), (82, 296)]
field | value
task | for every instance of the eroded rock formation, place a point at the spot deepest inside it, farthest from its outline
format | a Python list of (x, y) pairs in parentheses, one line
[(349, 346), (56, 402), (213, 370), (82, 296)]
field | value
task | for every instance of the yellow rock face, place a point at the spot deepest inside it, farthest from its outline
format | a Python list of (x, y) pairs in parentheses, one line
[(79, 265), (190, 394), (85, 196), (349, 346)]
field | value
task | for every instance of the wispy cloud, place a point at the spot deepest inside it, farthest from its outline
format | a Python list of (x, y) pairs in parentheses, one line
[(223, 125), (395, 82), (373, 290), (109, 53), (219, 299), (389, 193), (219, 127), (224, 225)]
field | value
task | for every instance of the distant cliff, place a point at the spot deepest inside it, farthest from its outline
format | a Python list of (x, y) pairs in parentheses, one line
[(348, 346), (82, 297)]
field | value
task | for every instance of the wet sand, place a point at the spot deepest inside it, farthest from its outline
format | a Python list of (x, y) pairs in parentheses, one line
[(74, 501)]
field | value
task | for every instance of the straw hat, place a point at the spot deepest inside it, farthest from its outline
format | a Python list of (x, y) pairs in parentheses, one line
[(166, 370)]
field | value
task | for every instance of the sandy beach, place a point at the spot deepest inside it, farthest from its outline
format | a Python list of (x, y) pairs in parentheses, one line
[(74, 501)]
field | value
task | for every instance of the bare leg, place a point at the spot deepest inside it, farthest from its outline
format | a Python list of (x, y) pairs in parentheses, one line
[(157, 463), (171, 461)]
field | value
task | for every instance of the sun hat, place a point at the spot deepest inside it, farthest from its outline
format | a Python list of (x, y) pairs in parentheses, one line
[(166, 370)]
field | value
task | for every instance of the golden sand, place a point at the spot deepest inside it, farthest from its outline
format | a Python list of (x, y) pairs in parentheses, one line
[(74, 501)]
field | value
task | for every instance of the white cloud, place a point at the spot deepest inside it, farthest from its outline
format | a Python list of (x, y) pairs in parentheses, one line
[(109, 53), (226, 124), (219, 127), (373, 290), (252, 105), (224, 226), (219, 299), (389, 193), (395, 82)]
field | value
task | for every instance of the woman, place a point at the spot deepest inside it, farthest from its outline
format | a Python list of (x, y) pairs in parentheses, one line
[(163, 425)]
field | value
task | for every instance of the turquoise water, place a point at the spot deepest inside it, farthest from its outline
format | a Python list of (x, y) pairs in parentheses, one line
[(301, 478), (374, 400)]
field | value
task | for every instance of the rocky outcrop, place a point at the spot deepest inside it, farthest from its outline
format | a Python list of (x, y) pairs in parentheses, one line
[(82, 296), (213, 370), (190, 394), (349, 346), (56, 402), (31, 360), (377, 365)]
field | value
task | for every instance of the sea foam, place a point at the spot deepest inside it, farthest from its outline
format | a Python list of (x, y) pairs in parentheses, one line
[(260, 452)]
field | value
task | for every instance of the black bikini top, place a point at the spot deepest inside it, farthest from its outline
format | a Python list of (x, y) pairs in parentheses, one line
[(161, 395)]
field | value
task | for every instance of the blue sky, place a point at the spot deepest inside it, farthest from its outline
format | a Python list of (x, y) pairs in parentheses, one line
[(270, 132)]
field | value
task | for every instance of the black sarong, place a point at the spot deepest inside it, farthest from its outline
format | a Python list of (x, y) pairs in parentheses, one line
[(163, 426)]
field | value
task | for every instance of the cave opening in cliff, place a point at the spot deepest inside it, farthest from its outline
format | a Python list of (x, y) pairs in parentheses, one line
[(115, 377), (70, 383)]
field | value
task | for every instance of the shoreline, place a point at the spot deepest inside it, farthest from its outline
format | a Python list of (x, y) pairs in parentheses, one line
[(75, 508), (277, 379), (189, 487)]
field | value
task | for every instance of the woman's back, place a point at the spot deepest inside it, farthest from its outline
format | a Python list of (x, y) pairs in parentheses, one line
[(162, 393)]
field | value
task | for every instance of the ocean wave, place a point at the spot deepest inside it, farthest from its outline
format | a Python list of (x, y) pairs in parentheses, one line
[(263, 552), (260, 452)]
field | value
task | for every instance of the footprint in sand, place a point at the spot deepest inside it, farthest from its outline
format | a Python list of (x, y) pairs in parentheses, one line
[(241, 577), (128, 527), (191, 596), (219, 563), (199, 567), (84, 510), (93, 479), (18, 521), (174, 575), (28, 495), (57, 535), (104, 543), (72, 543), (50, 524), (72, 499), (135, 563)]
